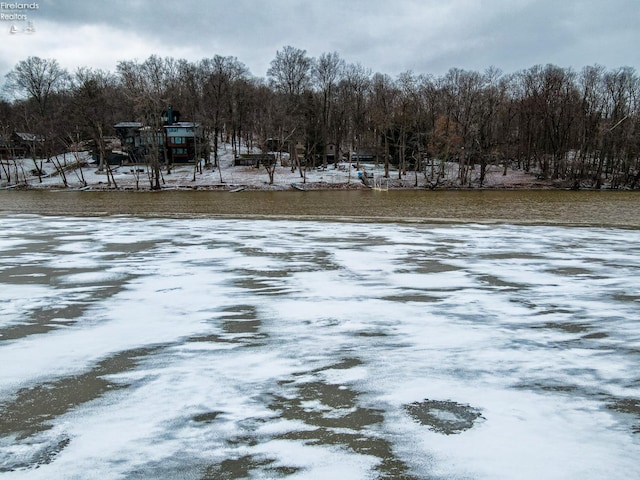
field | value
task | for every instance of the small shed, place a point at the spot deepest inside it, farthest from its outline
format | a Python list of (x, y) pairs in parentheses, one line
[(254, 159), (331, 152)]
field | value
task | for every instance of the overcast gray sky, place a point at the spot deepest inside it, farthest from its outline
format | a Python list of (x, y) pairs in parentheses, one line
[(425, 36)]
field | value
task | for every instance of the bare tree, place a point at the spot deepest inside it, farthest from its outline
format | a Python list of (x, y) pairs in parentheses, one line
[(327, 71), (384, 97), (220, 77), (354, 90), (95, 101), (38, 79), (289, 72), (290, 76)]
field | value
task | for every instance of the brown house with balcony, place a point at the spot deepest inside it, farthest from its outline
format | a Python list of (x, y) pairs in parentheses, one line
[(184, 142)]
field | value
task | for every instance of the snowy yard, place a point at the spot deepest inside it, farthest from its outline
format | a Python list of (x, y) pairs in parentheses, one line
[(228, 176)]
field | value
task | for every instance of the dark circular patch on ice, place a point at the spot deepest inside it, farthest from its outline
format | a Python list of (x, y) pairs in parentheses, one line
[(444, 416)]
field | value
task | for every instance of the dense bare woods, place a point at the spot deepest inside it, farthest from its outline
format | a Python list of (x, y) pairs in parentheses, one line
[(580, 128)]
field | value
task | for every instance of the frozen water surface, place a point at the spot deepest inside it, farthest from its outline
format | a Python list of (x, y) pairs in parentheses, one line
[(135, 348)]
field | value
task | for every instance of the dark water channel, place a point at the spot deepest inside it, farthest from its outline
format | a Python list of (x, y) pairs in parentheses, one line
[(605, 208)]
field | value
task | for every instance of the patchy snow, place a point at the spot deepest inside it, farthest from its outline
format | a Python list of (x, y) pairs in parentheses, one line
[(207, 348), (228, 176)]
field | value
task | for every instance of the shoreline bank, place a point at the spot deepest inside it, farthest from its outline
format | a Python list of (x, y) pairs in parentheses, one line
[(229, 177)]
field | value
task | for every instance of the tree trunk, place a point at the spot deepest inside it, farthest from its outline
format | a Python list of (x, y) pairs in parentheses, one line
[(386, 157)]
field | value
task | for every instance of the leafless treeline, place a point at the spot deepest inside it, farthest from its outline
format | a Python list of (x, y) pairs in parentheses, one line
[(580, 128)]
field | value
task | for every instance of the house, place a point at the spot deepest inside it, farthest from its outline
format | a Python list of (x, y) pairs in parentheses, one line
[(277, 145), (184, 142), (132, 144), (5, 147), (129, 133), (363, 156), (181, 142), (22, 144)]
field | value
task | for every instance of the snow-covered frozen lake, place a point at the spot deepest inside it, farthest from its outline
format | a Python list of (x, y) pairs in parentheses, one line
[(139, 348)]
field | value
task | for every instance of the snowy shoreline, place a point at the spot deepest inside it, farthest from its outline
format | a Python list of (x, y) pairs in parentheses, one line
[(284, 181), (23, 175)]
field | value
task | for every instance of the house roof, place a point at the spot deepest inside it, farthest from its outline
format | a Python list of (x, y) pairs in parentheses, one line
[(30, 137), (128, 125), (182, 125)]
